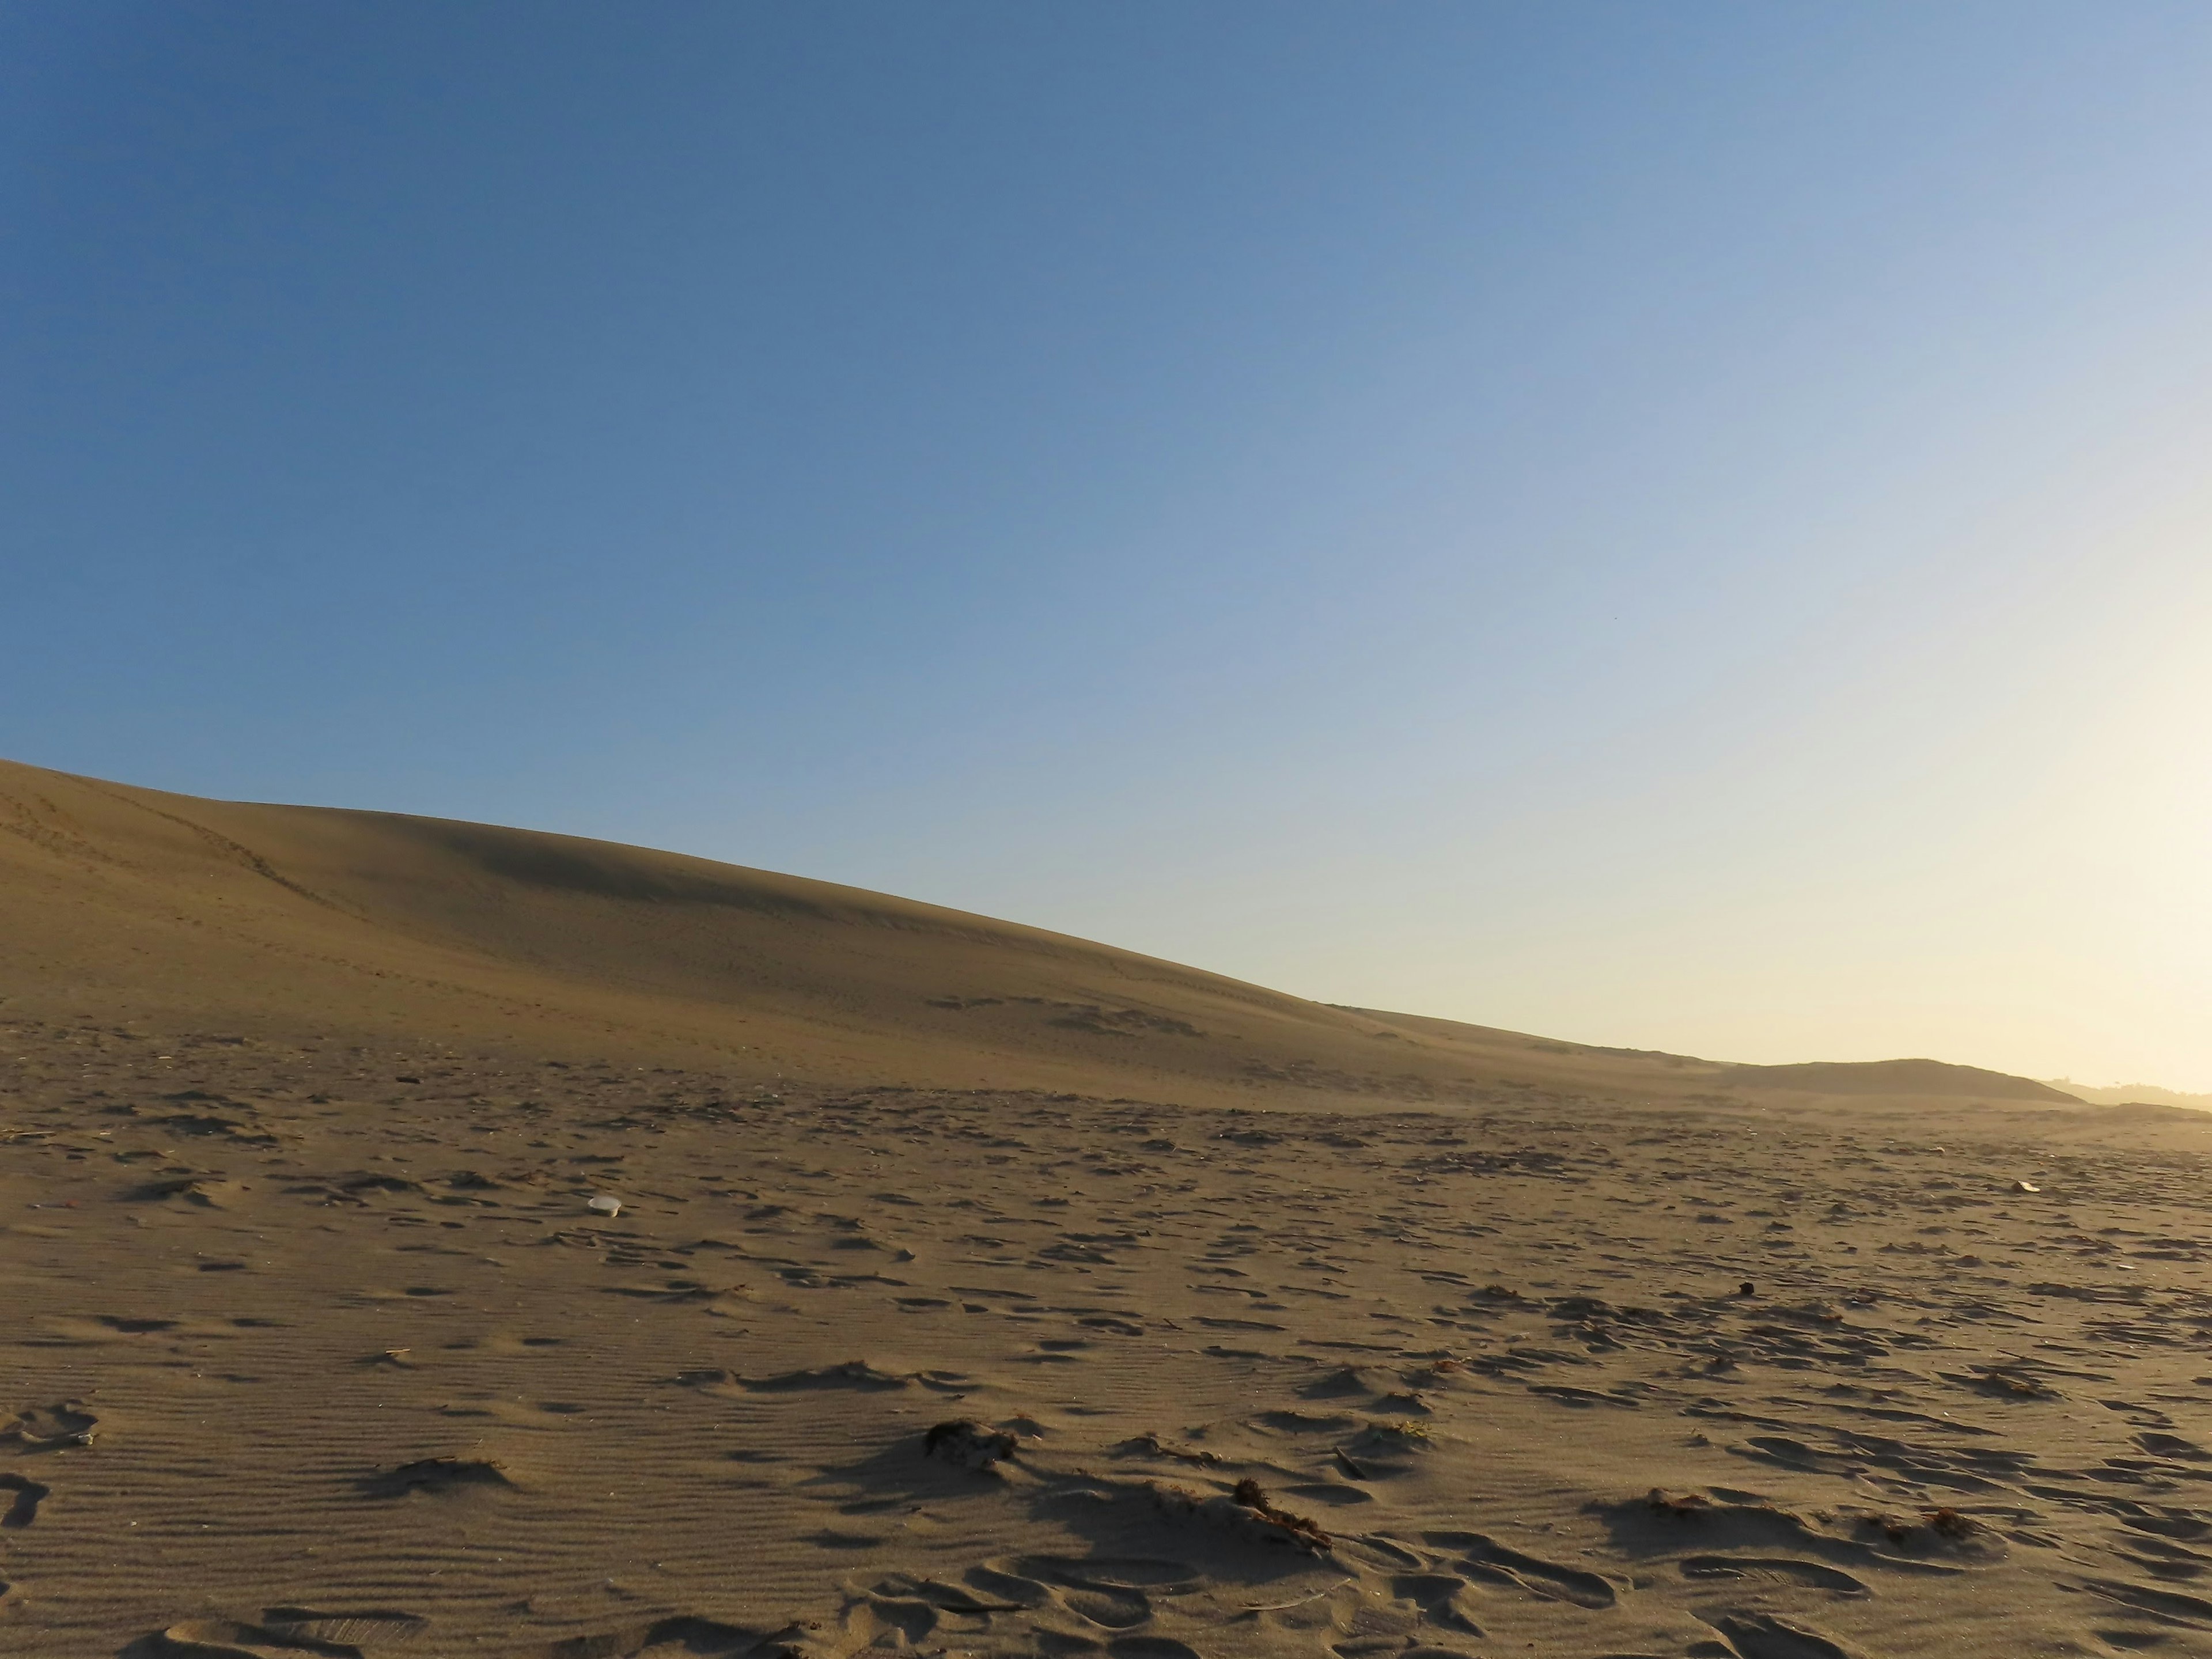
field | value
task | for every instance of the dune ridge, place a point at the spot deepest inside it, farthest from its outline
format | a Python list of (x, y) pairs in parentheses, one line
[(282, 920), (1894, 1076), (2132, 1094)]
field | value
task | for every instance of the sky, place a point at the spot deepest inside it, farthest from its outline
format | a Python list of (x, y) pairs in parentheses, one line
[(1671, 526)]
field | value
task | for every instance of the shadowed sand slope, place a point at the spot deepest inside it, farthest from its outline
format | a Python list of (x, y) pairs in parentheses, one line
[(272, 920)]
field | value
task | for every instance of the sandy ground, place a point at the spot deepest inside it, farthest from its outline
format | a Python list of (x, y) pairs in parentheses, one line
[(314, 1346)]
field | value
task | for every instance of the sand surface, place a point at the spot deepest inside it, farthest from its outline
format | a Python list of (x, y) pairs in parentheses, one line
[(319, 1347), (977, 1290)]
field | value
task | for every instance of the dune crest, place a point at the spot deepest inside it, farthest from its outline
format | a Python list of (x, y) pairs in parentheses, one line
[(1894, 1077), (277, 921)]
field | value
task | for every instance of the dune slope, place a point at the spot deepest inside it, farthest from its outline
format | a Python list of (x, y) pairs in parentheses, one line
[(1894, 1077), (272, 920)]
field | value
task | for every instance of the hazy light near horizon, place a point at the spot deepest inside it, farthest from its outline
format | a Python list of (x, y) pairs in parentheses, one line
[(1671, 527)]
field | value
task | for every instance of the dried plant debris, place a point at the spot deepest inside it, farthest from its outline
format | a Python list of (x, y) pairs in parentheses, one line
[(1246, 1509)]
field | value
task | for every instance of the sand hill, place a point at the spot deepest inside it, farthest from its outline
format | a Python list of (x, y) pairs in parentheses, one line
[(1894, 1076), (2138, 1094), (270, 921)]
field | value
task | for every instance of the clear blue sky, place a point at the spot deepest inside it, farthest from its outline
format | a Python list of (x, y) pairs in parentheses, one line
[(1674, 524)]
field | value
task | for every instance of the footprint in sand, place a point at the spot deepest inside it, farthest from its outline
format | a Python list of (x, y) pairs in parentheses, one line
[(968, 1445), (899, 1588), (436, 1475), (2170, 1561), (887, 1621), (49, 1428), (2172, 1445), (1773, 1570), (24, 1507), (1366, 1628), (1483, 1558), (683, 1634), (1439, 1596), (206, 1193), (1334, 1494), (1114, 1572), (857, 1374), (1003, 1584), (1291, 1422), (208, 1639), (828, 1538), (1102, 1593), (1110, 1610), (1763, 1635), (1061, 1350), (1150, 1647), (1347, 1381), (2166, 1607), (351, 1630)]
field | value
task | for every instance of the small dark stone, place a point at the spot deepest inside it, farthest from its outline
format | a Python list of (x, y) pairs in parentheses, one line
[(1746, 1289)]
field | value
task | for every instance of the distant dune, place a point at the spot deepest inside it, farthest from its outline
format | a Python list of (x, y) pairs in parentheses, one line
[(1893, 1077), (120, 903), (2133, 1094)]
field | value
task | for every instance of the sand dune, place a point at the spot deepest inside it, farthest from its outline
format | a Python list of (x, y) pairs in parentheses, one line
[(280, 921), (1055, 1301), (1894, 1076), (276, 920), (2139, 1094)]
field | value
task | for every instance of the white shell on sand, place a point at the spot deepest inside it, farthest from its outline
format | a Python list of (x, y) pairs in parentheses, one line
[(604, 1205)]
